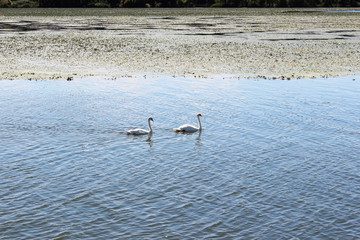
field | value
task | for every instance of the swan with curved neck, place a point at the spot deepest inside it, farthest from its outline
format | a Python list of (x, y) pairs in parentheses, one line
[(139, 131), (190, 128)]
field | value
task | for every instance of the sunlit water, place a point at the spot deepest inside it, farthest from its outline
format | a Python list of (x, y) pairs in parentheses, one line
[(276, 159)]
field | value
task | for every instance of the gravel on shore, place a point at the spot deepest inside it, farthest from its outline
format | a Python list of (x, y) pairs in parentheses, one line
[(282, 44)]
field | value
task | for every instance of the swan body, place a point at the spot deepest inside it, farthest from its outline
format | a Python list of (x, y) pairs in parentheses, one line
[(139, 131), (188, 127)]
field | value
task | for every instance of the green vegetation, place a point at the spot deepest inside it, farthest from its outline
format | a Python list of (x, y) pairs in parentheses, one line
[(177, 3)]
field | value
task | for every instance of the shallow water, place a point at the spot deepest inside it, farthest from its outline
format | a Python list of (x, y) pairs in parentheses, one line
[(276, 159), (344, 11)]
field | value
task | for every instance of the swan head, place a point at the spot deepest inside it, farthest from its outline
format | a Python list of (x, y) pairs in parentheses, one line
[(150, 118), (199, 115)]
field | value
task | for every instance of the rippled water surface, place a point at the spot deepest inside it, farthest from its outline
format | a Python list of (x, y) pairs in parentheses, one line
[(276, 159)]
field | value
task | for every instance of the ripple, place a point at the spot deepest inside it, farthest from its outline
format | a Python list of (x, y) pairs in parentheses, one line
[(276, 160)]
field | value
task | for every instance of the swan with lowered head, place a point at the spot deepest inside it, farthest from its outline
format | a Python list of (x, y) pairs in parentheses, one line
[(190, 128), (139, 131)]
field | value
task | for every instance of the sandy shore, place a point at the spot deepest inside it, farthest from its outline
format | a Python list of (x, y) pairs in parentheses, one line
[(242, 43)]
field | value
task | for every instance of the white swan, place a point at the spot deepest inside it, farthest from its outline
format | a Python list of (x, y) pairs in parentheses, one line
[(139, 131), (189, 128)]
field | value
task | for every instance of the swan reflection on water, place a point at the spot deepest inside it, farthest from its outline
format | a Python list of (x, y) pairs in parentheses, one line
[(142, 136), (149, 141), (198, 138), (191, 133)]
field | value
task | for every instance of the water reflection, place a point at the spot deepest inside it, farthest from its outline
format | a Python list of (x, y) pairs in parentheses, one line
[(148, 140), (198, 139), (199, 135)]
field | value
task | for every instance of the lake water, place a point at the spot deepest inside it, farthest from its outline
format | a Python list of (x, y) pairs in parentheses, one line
[(276, 159)]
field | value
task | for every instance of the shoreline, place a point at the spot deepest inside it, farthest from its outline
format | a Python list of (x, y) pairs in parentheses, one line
[(245, 44), (350, 77)]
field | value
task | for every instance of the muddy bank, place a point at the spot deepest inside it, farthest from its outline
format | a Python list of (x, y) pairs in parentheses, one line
[(243, 43)]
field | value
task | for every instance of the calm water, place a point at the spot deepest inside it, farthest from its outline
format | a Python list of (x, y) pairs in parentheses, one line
[(276, 160)]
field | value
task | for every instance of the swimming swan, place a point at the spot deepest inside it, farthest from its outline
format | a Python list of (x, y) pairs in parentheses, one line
[(139, 131), (190, 128)]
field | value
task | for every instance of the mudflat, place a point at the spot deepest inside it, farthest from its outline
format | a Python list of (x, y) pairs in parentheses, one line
[(254, 43)]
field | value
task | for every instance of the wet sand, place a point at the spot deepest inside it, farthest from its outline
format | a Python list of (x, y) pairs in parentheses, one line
[(265, 43)]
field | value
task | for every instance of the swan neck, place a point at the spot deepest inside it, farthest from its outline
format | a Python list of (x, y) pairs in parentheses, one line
[(198, 117), (150, 129)]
